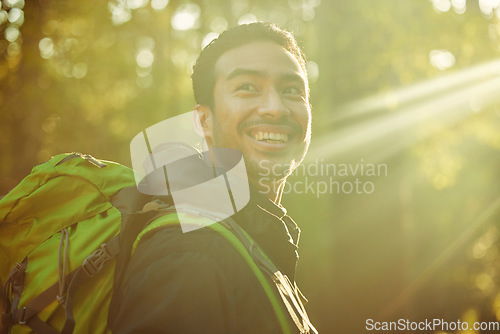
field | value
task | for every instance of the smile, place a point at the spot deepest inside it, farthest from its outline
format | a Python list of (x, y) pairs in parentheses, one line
[(270, 137)]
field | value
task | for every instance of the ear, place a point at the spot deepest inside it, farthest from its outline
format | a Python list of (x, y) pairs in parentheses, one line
[(203, 122)]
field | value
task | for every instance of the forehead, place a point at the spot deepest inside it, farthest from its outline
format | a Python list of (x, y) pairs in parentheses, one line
[(262, 56)]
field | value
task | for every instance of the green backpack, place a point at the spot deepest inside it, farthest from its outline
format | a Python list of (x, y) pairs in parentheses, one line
[(55, 233), (61, 230)]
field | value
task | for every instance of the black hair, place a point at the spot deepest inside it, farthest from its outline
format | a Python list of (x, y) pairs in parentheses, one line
[(203, 76)]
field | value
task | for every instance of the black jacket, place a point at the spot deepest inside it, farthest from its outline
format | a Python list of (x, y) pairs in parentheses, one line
[(197, 282)]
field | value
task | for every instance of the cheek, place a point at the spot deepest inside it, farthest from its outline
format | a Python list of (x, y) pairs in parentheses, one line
[(226, 121), (238, 106), (232, 111), (303, 116)]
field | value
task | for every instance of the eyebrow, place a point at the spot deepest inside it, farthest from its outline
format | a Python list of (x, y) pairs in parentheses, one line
[(244, 71), (262, 74)]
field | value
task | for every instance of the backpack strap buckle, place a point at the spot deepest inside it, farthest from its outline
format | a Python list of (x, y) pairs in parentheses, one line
[(22, 313), (96, 261)]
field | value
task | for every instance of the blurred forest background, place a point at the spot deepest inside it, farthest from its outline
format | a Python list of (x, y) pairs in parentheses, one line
[(413, 85)]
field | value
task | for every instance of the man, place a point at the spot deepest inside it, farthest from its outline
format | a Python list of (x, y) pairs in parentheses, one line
[(253, 96)]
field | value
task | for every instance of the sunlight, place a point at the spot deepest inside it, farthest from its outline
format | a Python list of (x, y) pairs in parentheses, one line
[(14, 3), (3, 16), (312, 71), (16, 16), (418, 91), (120, 13), (145, 58), (429, 101), (135, 4), (247, 18), (459, 6), (487, 6), (218, 24), (441, 5), (79, 70), (208, 38), (441, 59), (12, 33), (159, 4), (46, 47), (186, 17)]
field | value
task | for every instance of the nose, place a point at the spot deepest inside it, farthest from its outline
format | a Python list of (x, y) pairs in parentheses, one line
[(272, 105)]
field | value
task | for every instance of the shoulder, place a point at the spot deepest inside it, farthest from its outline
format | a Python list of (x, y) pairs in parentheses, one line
[(184, 274), (173, 251)]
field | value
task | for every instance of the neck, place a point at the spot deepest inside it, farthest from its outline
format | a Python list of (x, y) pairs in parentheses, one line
[(272, 189), (279, 193)]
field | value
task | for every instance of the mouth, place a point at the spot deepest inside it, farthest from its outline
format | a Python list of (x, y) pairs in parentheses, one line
[(270, 137)]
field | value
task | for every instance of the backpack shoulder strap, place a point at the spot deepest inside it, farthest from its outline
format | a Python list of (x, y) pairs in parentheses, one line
[(253, 256)]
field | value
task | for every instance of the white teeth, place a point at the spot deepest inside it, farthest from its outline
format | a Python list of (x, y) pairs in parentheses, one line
[(261, 136)]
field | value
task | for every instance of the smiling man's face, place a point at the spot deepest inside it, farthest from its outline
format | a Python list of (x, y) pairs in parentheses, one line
[(261, 108)]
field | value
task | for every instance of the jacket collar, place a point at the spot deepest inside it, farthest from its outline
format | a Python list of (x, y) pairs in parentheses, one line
[(273, 230)]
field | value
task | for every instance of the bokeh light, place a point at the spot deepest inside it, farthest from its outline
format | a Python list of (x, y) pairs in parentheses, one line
[(3, 16), (14, 3), (159, 4), (459, 6), (46, 47), (120, 13), (135, 4), (186, 17), (218, 24), (12, 33), (441, 59), (16, 16), (441, 5), (312, 71), (79, 70), (145, 58), (247, 18), (208, 38), (487, 6)]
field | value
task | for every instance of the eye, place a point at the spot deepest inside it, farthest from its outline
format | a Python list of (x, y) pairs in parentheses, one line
[(293, 90), (246, 87)]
